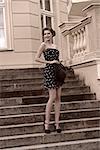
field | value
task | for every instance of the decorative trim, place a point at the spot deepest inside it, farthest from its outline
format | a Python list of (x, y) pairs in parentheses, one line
[(90, 6), (78, 26), (84, 64), (6, 50)]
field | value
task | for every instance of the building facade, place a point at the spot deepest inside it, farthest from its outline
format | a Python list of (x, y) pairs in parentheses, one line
[(77, 26), (21, 26), (82, 33)]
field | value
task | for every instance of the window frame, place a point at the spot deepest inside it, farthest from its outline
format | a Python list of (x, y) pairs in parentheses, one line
[(8, 28), (47, 13)]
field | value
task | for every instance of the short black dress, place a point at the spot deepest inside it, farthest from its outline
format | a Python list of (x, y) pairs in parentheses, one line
[(50, 81)]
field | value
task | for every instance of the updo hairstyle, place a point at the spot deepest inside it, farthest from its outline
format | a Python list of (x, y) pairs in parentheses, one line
[(50, 29)]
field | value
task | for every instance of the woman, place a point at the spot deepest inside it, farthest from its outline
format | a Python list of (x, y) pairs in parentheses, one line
[(51, 55)]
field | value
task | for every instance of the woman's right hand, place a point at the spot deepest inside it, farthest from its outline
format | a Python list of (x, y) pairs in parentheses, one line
[(54, 62)]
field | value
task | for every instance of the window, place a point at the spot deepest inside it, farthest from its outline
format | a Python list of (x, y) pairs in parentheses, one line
[(47, 5), (5, 25), (3, 43), (46, 13), (1, 0)]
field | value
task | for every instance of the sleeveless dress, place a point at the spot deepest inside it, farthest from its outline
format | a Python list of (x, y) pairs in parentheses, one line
[(50, 81)]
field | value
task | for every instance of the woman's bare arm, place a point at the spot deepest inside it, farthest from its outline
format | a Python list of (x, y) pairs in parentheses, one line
[(38, 55), (39, 52)]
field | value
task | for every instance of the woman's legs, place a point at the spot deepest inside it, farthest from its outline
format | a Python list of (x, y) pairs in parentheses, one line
[(57, 107), (52, 97)]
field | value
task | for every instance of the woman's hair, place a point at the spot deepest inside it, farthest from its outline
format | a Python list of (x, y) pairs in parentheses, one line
[(50, 29)]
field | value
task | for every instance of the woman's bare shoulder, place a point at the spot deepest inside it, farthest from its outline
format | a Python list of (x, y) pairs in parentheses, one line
[(55, 46), (42, 46)]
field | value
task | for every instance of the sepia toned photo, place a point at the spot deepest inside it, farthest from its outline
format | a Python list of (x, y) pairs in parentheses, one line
[(49, 74)]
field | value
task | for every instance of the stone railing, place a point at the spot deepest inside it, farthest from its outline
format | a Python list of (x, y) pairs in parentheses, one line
[(77, 37), (79, 44)]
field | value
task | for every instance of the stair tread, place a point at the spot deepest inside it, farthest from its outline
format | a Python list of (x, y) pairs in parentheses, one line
[(53, 133), (38, 82), (41, 123), (18, 121), (61, 95), (41, 96), (42, 113), (72, 86), (43, 104), (33, 147)]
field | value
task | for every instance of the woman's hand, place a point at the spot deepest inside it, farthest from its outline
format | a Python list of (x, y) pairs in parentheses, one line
[(54, 62)]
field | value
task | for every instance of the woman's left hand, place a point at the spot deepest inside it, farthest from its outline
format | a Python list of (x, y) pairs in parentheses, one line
[(54, 61)]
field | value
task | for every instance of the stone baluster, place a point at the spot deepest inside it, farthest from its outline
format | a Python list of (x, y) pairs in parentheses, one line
[(76, 46), (74, 35), (79, 42), (84, 39)]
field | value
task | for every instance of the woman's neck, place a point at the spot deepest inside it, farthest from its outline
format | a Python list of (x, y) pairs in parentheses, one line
[(49, 42)]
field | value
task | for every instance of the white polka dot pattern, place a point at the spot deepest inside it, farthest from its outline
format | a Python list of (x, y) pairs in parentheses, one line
[(49, 70)]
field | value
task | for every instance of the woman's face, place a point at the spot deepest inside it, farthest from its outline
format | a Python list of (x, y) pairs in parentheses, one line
[(47, 35)]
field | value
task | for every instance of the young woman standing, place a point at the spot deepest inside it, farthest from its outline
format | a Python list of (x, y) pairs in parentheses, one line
[(51, 56)]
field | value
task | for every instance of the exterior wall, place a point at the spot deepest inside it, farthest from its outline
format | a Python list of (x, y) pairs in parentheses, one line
[(26, 31), (88, 73), (26, 37), (98, 27), (63, 17), (83, 46), (63, 11), (89, 69), (26, 27), (94, 36)]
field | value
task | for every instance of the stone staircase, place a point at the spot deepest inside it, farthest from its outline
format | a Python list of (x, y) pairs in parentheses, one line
[(22, 105)]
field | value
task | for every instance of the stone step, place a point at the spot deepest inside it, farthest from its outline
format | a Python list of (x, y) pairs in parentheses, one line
[(13, 73), (75, 89), (20, 77), (38, 90), (88, 144), (38, 117), (73, 82), (21, 73), (43, 99), (29, 91), (21, 92), (33, 83), (42, 138), (64, 98), (39, 85), (38, 127), (30, 76), (36, 108), (22, 81), (12, 101)]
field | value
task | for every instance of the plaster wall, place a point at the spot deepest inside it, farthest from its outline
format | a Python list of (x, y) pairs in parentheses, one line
[(98, 26), (26, 35), (26, 28), (88, 73)]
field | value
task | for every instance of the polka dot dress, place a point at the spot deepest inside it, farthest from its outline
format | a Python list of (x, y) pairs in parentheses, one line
[(49, 70)]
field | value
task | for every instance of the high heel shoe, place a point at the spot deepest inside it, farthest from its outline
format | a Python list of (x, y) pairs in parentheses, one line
[(47, 130), (57, 128)]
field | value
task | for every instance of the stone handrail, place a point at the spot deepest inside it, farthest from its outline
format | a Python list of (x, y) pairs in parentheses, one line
[(78, 35), (78, 38)]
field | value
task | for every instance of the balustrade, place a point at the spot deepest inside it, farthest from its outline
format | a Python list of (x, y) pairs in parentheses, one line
[(77, 39), (79, 42)]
